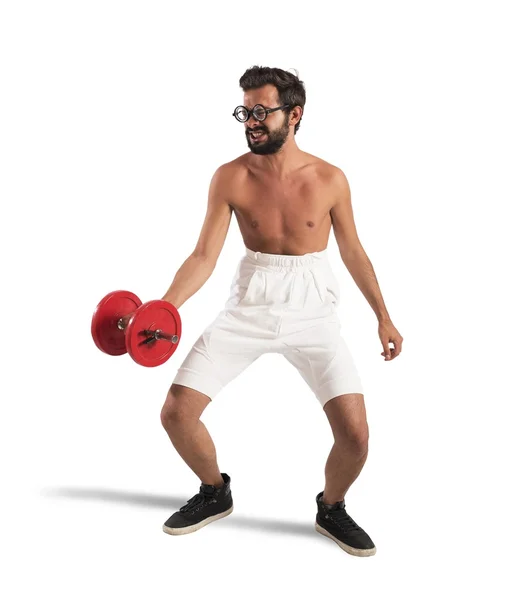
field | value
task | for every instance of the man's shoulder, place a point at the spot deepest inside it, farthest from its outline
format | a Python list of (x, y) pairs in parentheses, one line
[(231, 173), (236, 165), (327, 169), (229, 176), (322, 171)]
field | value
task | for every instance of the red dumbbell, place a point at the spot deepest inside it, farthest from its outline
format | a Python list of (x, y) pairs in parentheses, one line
[(150, 334)]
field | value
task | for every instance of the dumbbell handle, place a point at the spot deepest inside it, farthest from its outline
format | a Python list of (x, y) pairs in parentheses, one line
[(124, 321), (157, 334)]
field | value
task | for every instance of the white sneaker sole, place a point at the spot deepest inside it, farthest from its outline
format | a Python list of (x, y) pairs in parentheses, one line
[(346, 548), (192, 528)]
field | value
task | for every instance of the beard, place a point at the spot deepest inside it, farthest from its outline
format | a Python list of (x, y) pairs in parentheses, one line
[(275, 139)]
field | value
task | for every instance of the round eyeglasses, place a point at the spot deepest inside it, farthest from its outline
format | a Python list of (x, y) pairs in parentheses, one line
[(259, 112)]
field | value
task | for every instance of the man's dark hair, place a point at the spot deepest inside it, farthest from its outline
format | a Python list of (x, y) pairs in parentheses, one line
[(290, 88)]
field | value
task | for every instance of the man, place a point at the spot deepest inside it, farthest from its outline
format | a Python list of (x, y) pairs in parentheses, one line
[(283, 299)]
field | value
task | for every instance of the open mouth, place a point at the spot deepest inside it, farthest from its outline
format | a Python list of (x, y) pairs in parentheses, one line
[(256, 135)]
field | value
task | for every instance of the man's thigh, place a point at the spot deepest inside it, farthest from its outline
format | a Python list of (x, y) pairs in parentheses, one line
[(223, 351), (322, 357)]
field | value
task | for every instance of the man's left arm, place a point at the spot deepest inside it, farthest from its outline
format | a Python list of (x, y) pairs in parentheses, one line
[(358, 264)]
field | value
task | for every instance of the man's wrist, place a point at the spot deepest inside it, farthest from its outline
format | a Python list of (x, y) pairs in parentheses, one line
[(171, 300)]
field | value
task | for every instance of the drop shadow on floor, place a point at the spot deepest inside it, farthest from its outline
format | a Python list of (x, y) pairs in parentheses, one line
[(173, 503)]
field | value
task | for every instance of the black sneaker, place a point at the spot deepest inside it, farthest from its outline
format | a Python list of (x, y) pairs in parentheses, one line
[(333, 521), (210, 504)]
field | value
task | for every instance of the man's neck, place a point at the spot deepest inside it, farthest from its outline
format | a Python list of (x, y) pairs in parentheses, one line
[(282, 163)]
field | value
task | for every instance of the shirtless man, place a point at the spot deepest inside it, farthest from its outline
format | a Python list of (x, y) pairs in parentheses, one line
[(283, 299)]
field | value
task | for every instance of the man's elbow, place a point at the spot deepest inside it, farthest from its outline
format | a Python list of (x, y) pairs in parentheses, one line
[(206, 258), (352, 252)]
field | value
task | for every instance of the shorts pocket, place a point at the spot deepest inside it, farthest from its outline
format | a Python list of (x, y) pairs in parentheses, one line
[(331, 286), (249, 294), (327, 286), (240, 286)]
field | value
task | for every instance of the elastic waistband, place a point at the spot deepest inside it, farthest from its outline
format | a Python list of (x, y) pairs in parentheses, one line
[(287, 260)]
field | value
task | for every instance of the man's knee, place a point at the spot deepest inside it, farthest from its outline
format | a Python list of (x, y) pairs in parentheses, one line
[(347, 417), (182, 405), (359, 439)]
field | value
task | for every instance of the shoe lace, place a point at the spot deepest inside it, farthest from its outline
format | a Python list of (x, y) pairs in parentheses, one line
[(199, 500), (344, 521)]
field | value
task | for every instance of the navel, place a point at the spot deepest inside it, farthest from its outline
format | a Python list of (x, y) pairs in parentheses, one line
[(254, 223)]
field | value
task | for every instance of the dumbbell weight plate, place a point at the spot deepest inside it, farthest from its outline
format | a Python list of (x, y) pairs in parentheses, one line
[(152, 316), (115, 305)]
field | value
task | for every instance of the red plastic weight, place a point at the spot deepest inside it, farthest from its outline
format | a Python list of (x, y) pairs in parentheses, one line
[(153, 333), (115, 305)]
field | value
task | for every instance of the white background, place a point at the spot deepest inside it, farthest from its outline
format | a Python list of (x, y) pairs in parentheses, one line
[(114, 116)]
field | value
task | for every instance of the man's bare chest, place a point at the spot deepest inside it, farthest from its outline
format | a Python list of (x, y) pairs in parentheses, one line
[(278, 206)]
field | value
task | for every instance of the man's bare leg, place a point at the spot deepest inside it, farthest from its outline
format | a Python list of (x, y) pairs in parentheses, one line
[(180, 417), (347, 417)]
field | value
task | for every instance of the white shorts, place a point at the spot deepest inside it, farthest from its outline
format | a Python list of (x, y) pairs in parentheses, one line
[(281, 304)]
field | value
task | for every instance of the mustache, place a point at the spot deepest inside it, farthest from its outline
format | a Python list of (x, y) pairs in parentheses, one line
[(255, 130)]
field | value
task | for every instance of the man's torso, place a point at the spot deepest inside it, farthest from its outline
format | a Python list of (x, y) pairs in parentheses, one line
[(290, 216)]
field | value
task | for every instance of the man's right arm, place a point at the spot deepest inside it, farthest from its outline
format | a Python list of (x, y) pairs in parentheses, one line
[(198, 267)]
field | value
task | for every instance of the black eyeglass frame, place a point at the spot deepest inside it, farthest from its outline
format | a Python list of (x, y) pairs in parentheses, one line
[(251, 112)]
